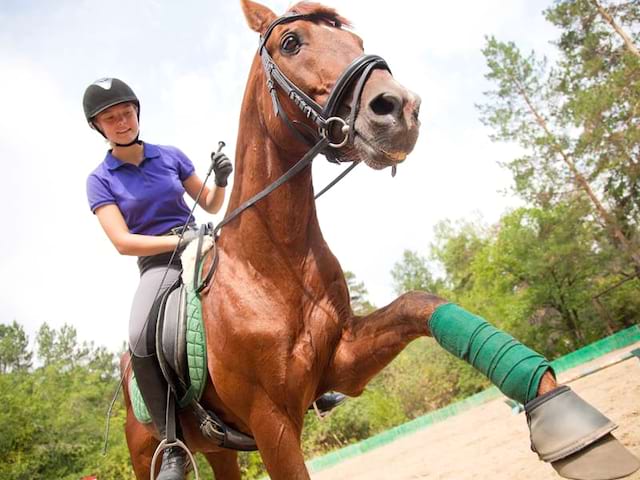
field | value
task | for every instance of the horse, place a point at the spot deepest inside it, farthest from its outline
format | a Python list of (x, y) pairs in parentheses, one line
[(279, 325)]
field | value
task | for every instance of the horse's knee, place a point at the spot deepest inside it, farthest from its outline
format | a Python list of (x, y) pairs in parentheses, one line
[(420, 297), (418, 305)]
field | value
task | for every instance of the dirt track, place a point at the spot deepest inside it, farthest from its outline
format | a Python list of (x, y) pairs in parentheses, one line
[(491, 443)]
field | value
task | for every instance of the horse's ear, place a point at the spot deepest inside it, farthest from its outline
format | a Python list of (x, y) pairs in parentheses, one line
[(258, 16)]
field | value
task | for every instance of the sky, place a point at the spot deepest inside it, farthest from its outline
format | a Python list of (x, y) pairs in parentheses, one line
[(188, 63)]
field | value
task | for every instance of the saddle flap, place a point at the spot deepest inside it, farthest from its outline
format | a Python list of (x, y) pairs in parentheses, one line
[(172, 335)]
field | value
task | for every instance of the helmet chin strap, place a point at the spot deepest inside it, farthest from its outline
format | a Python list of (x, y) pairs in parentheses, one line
[(133, 142)]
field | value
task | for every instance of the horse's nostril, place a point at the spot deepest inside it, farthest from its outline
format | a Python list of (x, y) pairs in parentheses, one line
[(385, 103)]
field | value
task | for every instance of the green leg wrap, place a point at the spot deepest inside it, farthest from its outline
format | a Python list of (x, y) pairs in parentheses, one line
[(515, 369)]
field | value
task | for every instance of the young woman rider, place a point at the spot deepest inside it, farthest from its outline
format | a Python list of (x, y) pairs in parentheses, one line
[(136, 193)]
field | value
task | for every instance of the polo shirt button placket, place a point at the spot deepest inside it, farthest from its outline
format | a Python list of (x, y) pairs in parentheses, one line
[(145, 178)]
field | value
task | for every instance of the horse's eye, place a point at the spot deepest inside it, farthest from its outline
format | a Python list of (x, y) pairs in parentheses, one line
[(290, 44)]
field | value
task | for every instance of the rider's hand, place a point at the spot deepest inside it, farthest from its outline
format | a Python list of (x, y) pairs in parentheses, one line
[(189, 235), (222, 168)]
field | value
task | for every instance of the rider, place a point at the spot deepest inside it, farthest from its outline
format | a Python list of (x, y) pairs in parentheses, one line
[(137, 194)]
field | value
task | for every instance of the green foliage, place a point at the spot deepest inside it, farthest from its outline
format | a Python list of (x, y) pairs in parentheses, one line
[(600, 79), (579, 121), (251, 465), (424, 377), (53, 417), (14, 344), (543, 261), (523, 107), (355, 420), (544, 275), (60, 346), (421, 379), (412, 273), (454, 247)]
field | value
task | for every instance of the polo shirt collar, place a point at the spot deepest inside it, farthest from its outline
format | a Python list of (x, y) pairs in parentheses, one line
[(149, 151)]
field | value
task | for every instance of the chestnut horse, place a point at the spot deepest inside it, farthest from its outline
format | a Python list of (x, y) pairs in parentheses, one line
[(280, 329)]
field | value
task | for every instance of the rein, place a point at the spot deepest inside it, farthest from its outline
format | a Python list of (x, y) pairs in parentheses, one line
[(323, 117)]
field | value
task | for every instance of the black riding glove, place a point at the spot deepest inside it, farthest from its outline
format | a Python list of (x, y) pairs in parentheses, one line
[(222, 168)]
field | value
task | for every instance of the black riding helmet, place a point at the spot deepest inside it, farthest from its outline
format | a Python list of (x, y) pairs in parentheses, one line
[(105, 93)]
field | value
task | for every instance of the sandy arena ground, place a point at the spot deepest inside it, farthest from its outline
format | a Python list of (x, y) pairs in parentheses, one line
[(491, 443)]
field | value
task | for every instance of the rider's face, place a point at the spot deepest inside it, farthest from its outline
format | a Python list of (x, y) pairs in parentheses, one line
[(119, 123)]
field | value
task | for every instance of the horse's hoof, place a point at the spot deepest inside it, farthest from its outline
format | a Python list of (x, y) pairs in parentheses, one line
[(604, 459), (576, 438)]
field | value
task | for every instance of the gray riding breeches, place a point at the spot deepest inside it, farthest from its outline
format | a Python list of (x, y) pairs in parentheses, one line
[(141, 331)]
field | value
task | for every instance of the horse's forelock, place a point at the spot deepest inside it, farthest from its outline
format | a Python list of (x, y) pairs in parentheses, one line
[(322, 11)]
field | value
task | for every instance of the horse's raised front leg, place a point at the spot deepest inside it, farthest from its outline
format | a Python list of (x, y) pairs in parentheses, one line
[(370, 342), (565, 430)]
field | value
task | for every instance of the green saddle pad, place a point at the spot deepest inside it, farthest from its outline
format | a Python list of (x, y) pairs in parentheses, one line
[(196, 361)]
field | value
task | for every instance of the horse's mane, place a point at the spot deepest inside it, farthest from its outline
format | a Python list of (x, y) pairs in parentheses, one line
[(322, 11)]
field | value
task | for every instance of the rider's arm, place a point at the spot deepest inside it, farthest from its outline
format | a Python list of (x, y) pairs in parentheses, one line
[(127, 243), (211, 199)]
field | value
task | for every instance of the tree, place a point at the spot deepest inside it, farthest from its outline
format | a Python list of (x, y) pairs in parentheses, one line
[(628, 41), (412, 273), (14, 348), (599, 76), (541, 274), (542, 271), (544, 112), (60, 346), (454, 248), (52, 420)]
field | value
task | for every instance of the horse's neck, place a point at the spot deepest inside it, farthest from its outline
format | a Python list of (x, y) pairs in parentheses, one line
[(287, 216)]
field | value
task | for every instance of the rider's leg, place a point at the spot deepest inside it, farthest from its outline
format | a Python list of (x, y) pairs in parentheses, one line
[(149, 377)]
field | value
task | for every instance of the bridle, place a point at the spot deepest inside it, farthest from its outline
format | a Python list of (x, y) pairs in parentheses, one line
[(325, 118)]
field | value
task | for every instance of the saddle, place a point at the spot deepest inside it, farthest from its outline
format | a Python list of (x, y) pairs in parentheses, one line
[(181, 346), (180, 342)]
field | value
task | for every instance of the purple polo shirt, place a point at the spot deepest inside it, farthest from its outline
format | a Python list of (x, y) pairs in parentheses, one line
[(150, 196)]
